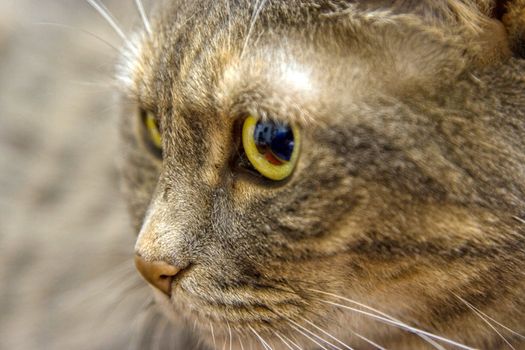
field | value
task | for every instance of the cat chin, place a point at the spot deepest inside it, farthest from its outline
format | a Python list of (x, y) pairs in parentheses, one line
[(213, 329), (218, 334)]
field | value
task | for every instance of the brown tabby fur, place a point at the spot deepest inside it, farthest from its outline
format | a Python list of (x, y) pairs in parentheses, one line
[(409, 195)]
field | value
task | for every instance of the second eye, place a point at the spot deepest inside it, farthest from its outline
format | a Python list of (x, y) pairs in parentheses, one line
[(152, 132)]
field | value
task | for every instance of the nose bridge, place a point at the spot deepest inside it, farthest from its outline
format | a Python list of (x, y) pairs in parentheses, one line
[(163, 235), (171, 225)]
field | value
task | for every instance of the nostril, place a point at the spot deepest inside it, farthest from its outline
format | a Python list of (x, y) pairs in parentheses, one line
[(157, 273)]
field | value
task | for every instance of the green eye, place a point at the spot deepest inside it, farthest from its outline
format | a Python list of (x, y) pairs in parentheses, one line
[(272, 148), (152, 131)]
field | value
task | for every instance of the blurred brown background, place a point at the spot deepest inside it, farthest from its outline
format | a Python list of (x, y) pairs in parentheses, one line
[(65, 241)]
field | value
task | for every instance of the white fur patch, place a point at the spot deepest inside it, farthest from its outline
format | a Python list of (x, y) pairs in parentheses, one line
[(129, 63)]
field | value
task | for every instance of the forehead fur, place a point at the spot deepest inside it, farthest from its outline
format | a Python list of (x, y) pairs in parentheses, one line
[(202, 52)]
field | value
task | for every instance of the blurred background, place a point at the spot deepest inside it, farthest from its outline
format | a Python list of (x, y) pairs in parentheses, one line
[(66, 276)]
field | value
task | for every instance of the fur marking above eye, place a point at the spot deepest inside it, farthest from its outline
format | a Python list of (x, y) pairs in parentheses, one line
[(272, 148)]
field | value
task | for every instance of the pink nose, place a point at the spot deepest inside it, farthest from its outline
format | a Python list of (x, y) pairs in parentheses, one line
[(158, 273)]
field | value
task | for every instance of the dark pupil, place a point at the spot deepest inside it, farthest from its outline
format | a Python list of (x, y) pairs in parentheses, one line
[(275, 137)]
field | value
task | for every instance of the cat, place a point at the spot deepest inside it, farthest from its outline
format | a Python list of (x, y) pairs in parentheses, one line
[(403, 207), (300, 174)]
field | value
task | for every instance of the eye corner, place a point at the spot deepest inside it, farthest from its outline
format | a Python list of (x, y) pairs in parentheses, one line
[(145, 111)]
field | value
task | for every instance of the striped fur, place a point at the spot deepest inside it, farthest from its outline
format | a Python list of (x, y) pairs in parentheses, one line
[(409, 195)]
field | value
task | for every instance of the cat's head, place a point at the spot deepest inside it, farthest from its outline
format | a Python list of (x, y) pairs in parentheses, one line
[(390, 172)]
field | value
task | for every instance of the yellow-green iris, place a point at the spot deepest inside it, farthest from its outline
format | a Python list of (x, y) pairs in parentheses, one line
[(272, 148), (152, 127)]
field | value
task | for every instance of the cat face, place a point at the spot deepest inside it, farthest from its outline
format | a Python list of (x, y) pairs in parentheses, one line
[(405, 194)]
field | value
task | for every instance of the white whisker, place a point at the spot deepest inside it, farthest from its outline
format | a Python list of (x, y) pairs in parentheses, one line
[(360, 336), (263, 342), (293, 337), (356, 303), (519, 219), (239, 336), (224, 344), (83, 31), (230, 332), (480, 315), (431, 342), (284, 341), (117, 277), (140, 8), (213, 336), (309, 338), (327, 334), (257, 11), (401, 325), (104, 12), (494, 329), (423, 336), (289, 340), (500, 324), (315, 335)]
